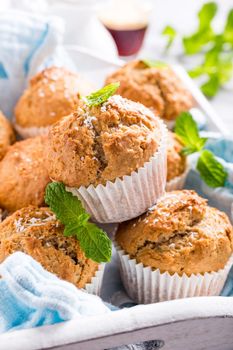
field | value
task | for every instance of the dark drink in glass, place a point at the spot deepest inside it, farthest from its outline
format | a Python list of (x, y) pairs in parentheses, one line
[(127, 22), (128, 41)]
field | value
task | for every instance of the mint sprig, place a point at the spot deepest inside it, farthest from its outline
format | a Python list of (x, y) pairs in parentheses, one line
[(214, 47), (187, 131), (154, 64), (98, 97), (170, 33), (209, 168), (211, 171), (69, 210)]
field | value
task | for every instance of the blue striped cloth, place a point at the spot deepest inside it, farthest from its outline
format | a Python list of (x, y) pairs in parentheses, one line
[(28, 43)]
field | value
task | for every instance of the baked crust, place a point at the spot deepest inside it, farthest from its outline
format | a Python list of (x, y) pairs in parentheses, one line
[(51, 95), (23, 175), (35, 231), (7, 135), (156, 88), (176, 162), (180, 234), (99, 144)]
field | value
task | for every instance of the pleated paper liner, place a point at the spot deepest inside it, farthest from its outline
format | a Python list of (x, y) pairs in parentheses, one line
[(129, 196), (26, 132), (178, 182), (146, 286), (94, 287)]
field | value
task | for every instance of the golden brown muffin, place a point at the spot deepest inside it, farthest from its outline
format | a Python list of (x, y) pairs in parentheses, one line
[(35, 231), (51, 95), (156, 88), (180, 234), (176, 162), (97, 144), (23, 176), (7, 136)]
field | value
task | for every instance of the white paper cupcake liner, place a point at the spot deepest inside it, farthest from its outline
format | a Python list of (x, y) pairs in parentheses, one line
[(94, 287), (146, 286), (178, 182), (34, 131), (129, 196)]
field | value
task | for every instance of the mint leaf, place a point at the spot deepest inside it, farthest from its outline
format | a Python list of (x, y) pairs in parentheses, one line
[(171, 33), (228, 31), (211, 87), (102, 95), (206, 15), (194, 43), (204, 33), (187, 131), (211, 171), (155, 64), (69, 210)]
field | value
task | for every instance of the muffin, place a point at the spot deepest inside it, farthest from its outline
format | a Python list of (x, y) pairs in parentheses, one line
[(177, 165), (112, 156), (158, 88), (180, 248), (52, 94), (23, 176), (37, 232), (7, 136)]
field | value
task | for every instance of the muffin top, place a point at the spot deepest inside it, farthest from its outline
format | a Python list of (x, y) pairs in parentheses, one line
[(35, 231), (23, 176), (97, 144), (7, 136), (176, 162), (180, 234), (158, 88), (52, 94)]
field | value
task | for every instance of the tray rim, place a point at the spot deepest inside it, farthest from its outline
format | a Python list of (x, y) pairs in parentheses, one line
[(118, 323)]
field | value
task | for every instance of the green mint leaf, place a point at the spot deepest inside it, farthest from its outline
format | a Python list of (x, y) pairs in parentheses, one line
[(207, 14), (102, 95), (95, 243), (155, 64), (69, 210), (211, 87), (170, 33), (204, 34), (211, 171), (228, 31), (187, 131), (194, 43)]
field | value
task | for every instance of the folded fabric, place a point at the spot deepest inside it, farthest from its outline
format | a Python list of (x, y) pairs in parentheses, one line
[(221, 197), (29, 42), (31, 296)]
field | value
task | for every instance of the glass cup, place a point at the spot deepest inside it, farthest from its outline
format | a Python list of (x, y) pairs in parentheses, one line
[(127, 22)]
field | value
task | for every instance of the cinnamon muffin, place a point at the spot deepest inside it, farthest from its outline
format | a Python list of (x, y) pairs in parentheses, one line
[(51, 95), (37, 232), (97, 147), (7, 136), (158, 88), (177, 166), (23, 176), (185, 243)]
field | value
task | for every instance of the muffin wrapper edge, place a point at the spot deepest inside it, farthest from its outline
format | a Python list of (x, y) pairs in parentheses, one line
[(129, 196), (94, 287), (33, 131), (146, 286), (177, 183)]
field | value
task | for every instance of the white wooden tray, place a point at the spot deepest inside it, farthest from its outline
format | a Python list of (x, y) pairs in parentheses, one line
[(204, 323)]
